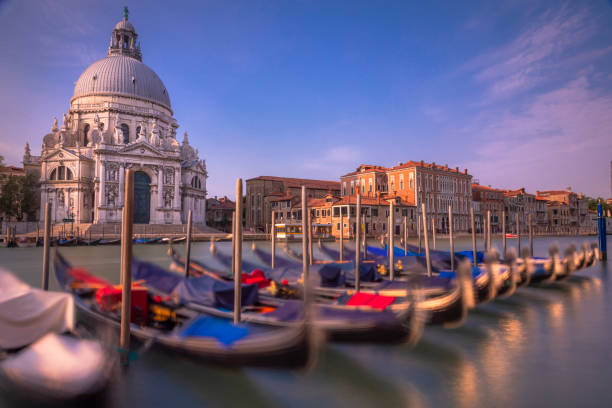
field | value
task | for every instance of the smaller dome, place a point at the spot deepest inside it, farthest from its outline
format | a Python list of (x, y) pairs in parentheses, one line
[(124, 25)]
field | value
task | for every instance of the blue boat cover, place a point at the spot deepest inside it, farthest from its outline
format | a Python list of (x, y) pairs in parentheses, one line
[(203, 290), (476, 272), (223, 330)]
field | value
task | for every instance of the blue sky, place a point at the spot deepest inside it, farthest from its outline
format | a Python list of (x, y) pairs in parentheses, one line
[(519, 92)]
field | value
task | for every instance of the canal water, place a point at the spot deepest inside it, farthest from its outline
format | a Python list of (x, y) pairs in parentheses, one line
[(543, 346)]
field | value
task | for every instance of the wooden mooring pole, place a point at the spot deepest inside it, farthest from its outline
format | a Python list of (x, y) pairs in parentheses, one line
[(419, 229), (273, 239), (391, 240), (406, 235), (304, 244), (238, 254), (433, 229), (518, 234), (450, 237), (474, 252), (46, 243), (504, 234), (127, 225), (427, 255), (341, 236), (488, 230), (188, 246), (530, 235), (310, 261)]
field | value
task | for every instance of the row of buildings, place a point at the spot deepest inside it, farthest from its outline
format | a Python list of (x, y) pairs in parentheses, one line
[(408, 185)]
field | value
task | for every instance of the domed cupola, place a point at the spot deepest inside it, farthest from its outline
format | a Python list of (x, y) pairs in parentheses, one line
[(123, 39)]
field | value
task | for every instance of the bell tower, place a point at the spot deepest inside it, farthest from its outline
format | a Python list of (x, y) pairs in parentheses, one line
[(123, 39)]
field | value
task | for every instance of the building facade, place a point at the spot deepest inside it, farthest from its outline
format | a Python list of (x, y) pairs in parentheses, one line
[(120, 118), (521, 203), (490, 199), (263, 191), (415, 183), (329, 211)]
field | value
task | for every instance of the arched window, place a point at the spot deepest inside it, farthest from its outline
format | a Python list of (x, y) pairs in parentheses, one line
[(196, 183), (85, 132), (61, 173), (126, 133), (137, 131)]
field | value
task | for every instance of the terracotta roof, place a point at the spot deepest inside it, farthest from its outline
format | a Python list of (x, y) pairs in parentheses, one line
[(481, 187), (366, 168), (284, 197), (298, 182), (372, 168), (550, 192), (320, 202), (11, 169), (539, 198), (426, 165), (365, 200)]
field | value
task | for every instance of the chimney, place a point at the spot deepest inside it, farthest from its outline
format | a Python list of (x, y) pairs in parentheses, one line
[(457, 168), (465, 171), (422, 163)]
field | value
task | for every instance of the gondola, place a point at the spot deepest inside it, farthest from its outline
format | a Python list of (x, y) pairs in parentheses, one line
[(66, 242), (441, 299), (26, 242), (39, 333), (89, 242), (112, 241), (349, 318), (183, 331), (175, 240), (145, 240)]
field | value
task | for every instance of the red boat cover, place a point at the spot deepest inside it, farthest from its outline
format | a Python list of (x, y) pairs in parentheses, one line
[(82, 275), (257, 277), (374, 301), (108, 295)]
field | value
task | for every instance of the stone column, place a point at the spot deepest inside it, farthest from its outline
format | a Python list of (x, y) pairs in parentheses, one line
[(160, 187), (102, 182), (177, 190), (121, 183)]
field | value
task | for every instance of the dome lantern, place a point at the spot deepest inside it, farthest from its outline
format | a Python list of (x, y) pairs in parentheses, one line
[(123, 39)]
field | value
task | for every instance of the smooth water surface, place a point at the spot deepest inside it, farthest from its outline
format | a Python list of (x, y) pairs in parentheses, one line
[(543, 346)]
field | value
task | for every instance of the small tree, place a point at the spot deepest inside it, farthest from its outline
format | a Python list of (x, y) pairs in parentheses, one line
[(604, 205), (9, 198), (27, 199)]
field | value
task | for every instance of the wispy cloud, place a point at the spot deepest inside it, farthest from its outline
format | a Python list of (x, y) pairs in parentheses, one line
[(551, 43), (560, 134)]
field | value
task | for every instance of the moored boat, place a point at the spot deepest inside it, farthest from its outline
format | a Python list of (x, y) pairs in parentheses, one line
[(183, 331)]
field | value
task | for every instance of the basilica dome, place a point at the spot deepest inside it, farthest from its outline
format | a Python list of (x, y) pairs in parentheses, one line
[(122, 75)]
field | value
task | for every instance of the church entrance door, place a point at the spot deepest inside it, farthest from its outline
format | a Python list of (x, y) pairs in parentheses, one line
[(142, 198)]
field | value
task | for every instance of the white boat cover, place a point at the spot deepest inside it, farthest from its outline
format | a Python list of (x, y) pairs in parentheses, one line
[(27, 314), (58, 366)]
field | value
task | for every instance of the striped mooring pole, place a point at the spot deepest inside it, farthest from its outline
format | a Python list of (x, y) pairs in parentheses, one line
[(601, 229)]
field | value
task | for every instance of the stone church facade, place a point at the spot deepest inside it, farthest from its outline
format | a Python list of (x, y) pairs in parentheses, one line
[(120, 118)]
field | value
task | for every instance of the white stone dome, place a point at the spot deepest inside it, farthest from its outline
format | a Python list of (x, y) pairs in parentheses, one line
[(122, 75), (124, 25)]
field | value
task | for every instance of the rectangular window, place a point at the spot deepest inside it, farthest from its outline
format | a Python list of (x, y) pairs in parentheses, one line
[(374, 213)]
